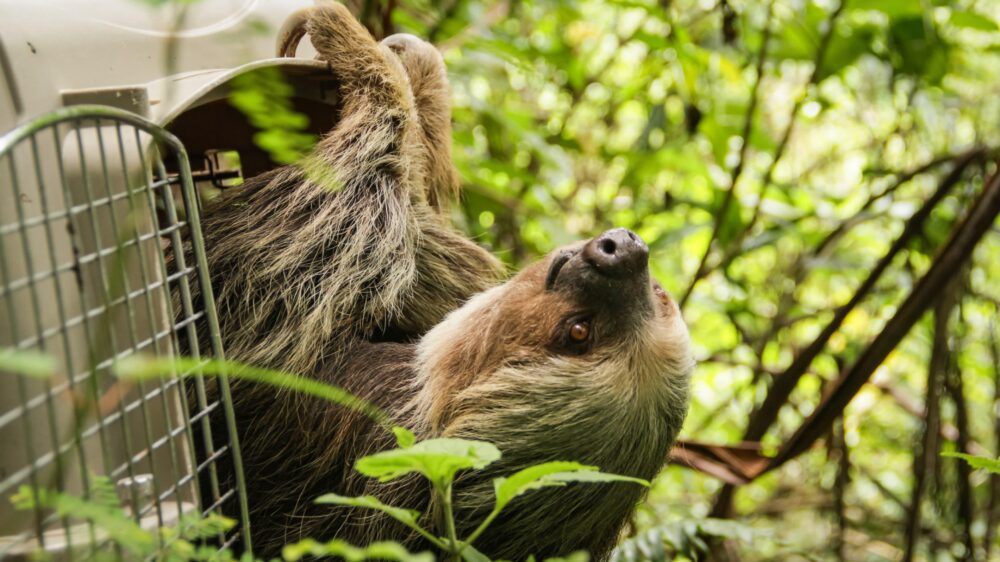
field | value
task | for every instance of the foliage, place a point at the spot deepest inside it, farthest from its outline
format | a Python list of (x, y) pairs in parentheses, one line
[(685, 540), (340, 549), (102, 509), (265, 98), (439, 461), (975, 461), (770, 154)]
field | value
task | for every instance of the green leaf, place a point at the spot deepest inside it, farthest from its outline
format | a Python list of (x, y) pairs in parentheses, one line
[(404, 437), (799, 37), (27, 362), (405, 516), (891, 8), (578, 556), (194, 527), (917, 49), (972, 20), (120, 528), (470, 554), (436, 459), (341, 549), (845, 48), (532, 478), (139, 367), (983, 463), (732, 219), (556, 473)]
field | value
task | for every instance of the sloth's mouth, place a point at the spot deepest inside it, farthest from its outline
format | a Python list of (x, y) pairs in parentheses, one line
[(557, 264)]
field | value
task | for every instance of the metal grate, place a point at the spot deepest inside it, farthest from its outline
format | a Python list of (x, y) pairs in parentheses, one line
[(91, 200)]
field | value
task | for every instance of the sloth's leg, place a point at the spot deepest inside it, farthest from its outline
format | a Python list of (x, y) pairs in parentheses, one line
[(429, 84)]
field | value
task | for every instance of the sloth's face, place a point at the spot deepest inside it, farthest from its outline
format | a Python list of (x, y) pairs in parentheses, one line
[(602, 291), (588, 318)]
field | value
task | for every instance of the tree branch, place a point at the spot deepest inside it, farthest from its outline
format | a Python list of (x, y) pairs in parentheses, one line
[(963, 441), (993, 503), (783, 385), (764, 416), (925, 459), (957, 251), (824, 44)]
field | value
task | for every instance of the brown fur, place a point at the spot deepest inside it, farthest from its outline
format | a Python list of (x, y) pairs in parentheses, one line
[(345, 270)]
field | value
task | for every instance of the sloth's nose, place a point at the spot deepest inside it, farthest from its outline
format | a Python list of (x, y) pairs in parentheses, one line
[(617, 253)]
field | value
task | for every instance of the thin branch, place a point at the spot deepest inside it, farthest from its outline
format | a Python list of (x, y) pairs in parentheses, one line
[(737, 170), (993, 503), (914, 408), (764, 416), (936, 536), (831, 26), (963, 472), (925, 459), (783, 385), (840, 485), (902, 178)]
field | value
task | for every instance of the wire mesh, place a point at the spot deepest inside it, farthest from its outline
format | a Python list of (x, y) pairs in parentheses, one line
[(88, 214)]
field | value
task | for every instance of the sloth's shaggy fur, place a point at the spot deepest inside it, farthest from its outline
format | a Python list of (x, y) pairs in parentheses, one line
[(345, 270)]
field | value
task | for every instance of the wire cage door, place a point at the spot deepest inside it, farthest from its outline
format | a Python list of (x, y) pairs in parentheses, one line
[(92, 202)]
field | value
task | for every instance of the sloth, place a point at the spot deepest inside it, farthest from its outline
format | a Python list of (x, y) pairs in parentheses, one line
[(345, 269)]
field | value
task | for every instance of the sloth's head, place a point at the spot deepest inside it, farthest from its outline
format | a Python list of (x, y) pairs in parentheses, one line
[(583, 338)]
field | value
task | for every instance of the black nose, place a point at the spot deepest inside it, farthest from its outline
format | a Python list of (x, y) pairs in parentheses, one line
[(617, 253)]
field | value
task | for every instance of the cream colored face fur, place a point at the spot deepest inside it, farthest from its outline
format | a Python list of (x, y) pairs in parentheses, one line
[(500, 344)]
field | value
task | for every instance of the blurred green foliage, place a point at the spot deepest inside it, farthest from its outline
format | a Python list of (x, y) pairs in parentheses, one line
[(265, 98)]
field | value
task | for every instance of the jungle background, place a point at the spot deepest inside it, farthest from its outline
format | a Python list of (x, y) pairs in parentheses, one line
[(818, 184), (806, 175)]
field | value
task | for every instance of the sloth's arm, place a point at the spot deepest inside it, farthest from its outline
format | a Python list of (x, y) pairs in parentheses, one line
[(371, 162), (428, 82), (428, 79), (308, 256)]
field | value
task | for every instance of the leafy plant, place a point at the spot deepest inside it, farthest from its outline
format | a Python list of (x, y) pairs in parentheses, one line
[(439, 461), (186, 541)]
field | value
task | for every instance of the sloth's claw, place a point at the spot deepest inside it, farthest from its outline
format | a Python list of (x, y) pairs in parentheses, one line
[(291, 32)]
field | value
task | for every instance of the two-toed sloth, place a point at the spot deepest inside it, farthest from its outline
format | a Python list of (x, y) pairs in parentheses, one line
[(345, 269)]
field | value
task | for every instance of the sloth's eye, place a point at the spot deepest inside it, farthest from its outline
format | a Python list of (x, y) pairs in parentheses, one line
[(579, 331)]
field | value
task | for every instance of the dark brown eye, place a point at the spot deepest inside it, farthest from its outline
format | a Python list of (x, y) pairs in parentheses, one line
[(579, 331)]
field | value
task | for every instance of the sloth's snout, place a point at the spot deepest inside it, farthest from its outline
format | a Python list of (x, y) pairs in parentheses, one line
[(617, 253)]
